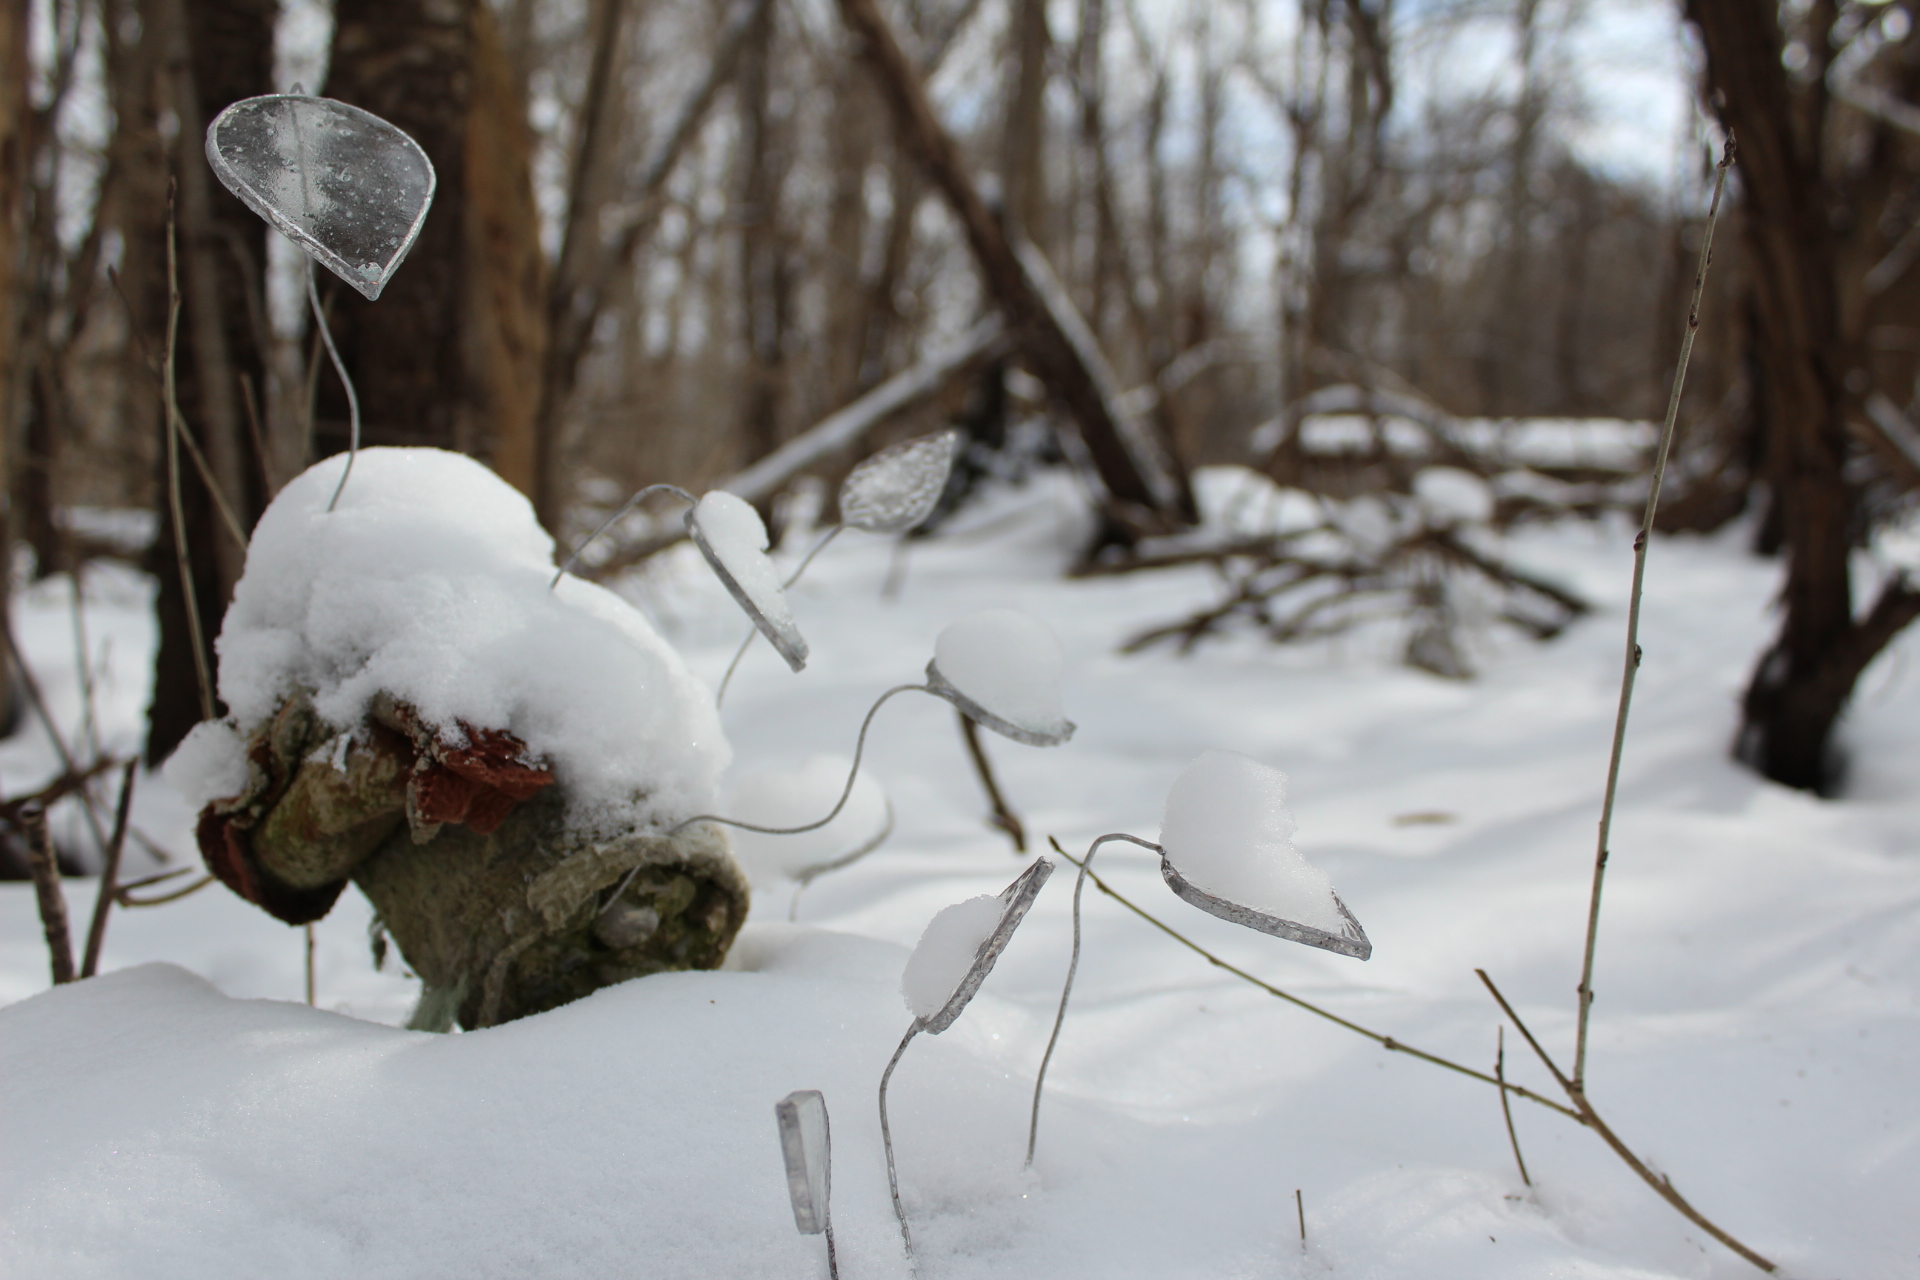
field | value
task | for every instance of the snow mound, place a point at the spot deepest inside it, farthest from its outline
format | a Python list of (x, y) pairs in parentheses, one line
[(1227, 830), (792, 797), (430, 582), (947, 951)]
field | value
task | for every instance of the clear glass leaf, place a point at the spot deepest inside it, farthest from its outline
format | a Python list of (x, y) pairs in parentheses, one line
[(346, 186), (897, 488), (730, 535), (805, 1146)]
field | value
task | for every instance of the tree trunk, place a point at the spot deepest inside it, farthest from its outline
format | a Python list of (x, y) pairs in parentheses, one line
[(14, 109), (450, 354), (1803, 681), (211, 53)]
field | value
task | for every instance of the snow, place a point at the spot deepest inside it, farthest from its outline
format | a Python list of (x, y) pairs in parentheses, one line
[(1009, 664), (947, 953), (431, 582), (793, 796), (1451, 495), (1227, 830), (735, 541), (1755, 1036)]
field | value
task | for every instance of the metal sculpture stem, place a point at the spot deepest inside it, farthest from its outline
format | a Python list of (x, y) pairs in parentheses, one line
[(886, 1135), (859, 749), (1066, 989), (340, 368), (746, 641), (606, 524), (1631, 666)]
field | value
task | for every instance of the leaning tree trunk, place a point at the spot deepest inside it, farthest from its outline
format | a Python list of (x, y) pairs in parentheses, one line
[(465, 851), (1803, 681)]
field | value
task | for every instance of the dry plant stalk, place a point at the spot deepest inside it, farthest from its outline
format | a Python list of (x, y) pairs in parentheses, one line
[(110, 872), (175, 429), (45, 867)]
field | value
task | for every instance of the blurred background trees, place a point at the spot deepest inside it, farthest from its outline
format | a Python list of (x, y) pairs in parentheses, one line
[(673, 235)]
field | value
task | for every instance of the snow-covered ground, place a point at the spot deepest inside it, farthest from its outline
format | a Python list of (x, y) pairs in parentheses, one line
[(1756, 1033)]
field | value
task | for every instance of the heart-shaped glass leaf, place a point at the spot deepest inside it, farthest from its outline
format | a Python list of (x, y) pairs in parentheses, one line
[(343, 184), (1227, 847), (959, 948), (730, 534), (805, 1143), (897, 488), (1002, 669)]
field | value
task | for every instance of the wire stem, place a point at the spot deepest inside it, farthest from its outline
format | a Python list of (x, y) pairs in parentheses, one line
[(1631, 666), (1073, 966), (886, 1136), (353, 397), (608, 523)]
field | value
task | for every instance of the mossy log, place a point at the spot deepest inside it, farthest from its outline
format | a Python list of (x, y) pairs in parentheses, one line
[(465, 851)]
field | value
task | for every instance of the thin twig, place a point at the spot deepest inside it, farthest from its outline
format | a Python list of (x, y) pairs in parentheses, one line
[(1631, 666), (1384, 1041), (38, 698), (1591, 1118), (175, 429), (161, 899), (310, 983), (1003, 815), (1506, 1105), (1300, 1208), (110, 873), (45, 868)]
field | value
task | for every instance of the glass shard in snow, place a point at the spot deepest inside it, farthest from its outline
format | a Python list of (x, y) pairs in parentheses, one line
[(805, 1142), (897, 488), (730, 535), (960, 946), (1002, 669), (1227, 848), (343, 184)]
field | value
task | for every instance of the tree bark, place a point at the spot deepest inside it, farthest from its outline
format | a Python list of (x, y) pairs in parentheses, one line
[(14, 115), (1803, 681), (1145, 492), (210, 53)]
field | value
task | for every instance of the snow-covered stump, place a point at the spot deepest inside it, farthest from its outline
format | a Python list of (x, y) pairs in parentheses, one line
[(499, 762)]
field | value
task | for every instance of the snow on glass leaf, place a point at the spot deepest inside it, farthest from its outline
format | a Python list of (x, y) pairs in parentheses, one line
[(958, 949), (1227, 848), (897, 488), (343, 184), (1002, 669), (788, 797), (730, 535)]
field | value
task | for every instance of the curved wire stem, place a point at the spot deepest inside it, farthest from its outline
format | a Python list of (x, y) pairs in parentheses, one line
[(859, 749), (886, 1136), (746, 641), (608, 523), (1073, 966), (340, 368)]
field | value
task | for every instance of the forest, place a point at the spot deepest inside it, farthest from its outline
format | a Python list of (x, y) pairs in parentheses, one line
[(1263, 418)]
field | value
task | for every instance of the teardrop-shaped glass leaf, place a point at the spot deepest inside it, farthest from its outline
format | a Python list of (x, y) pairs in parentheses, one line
[(1002, 669), (897, 488), (1227, 847), (343, 184), (960, 945), (730, 535), (805, 1144)]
